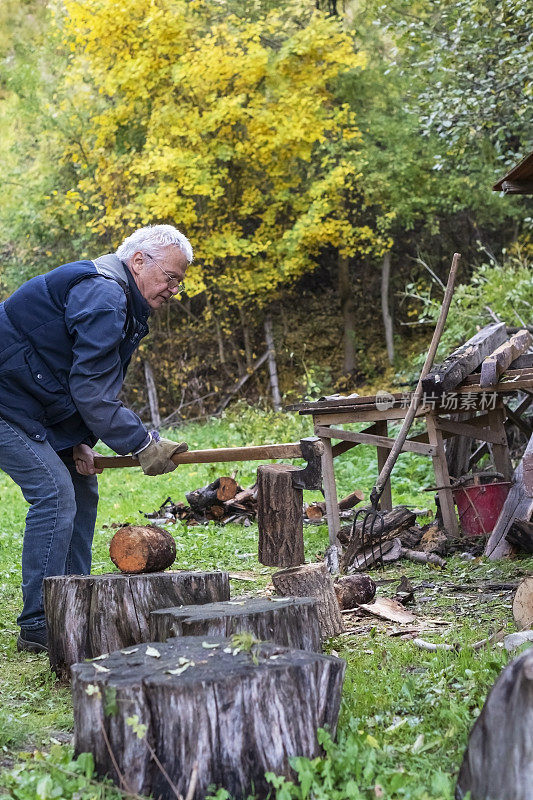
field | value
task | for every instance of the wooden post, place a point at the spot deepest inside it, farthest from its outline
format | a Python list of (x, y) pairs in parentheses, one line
[(442, 476), (330, 492), (152, 394), (292, 622), (313, 580), (500, 452), (386, 498), (279, 517), (209, 713)]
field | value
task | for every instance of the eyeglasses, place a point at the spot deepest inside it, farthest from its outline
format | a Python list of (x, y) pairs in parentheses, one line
[(173, 282)]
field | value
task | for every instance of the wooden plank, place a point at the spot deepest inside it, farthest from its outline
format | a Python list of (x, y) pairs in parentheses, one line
[(461, 362), (523, 362), (343, 447), (372, 439), (385, 502), (500, 451), (527, 461), (442, 476), (472, 431), (518, 505), (496, 363)]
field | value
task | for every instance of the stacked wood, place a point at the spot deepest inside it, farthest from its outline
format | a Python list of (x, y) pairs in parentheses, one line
[(498, 762), (496, 363), (352, 590), (316, 512), (312, 580), (142, 548), (169, 720), (291, 621), (223, 500), (394, 522), (453, 370), (279, 517), (87, 615)]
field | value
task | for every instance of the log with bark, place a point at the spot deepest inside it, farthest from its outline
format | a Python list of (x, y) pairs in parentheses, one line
[(279, 517), (312, 580), (464, 360), (291, 621), (351, 590), (317, 510), (87, 615), (495, 364), (518, 505), (498, 762), (394, 522), (520, 536), (154, 715), (215, 493), (142, 548)]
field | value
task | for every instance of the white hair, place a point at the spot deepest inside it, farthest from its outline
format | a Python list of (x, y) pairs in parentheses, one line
[(152, 239)]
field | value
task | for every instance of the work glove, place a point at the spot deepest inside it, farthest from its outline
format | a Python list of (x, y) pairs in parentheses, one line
[(155, 458)]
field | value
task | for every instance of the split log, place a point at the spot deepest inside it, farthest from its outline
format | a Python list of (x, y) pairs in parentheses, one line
[(317, 510), (236, 715), (518, 505), (498, 762), (279, 517), (423, 558), (394, 522), (391, 610), (464, 360), (351, 590), (201, 500), (312, 580), (523, 604), (292, 622), (87, 615), (142, 548), (496, 363)]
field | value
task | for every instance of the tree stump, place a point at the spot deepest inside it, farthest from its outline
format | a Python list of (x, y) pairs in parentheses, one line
[(142, 548), (192, 701), (279, 517), (498, 762), (87, 615), (292, 622), (313, 580)]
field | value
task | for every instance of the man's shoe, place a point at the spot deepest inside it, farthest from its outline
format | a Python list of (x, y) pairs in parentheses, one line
[(34, 640)]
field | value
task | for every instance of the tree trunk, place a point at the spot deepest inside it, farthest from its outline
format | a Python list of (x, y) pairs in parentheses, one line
[(347, 311), (142, 548), (498, 762), (279, 517), (170, 711), (385, 310), (272, 368), (292, 622), (248, 352), (152, 395), (87, 615), (313, 580)]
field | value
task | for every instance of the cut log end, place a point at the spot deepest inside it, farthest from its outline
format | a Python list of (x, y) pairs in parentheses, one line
[(142, 548)]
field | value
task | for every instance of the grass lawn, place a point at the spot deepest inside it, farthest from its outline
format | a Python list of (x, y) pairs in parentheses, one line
[(406, 713)]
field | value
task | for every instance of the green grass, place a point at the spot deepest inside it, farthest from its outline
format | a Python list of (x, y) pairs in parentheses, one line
[(405, 714)]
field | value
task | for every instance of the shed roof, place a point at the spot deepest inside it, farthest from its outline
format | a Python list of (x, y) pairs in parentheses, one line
[(519, 179)]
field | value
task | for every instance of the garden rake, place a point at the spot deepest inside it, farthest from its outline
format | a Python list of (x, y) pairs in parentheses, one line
[(372, 519)]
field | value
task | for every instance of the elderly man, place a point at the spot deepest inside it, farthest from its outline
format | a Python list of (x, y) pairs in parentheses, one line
[(66, 339)]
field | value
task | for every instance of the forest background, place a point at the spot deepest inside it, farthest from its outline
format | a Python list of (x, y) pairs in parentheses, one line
[(324, 158)]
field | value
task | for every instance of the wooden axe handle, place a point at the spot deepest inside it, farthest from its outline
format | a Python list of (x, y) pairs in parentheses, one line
[(252, 453)]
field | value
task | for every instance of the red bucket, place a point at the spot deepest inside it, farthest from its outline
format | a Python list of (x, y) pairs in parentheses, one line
[(479, 506)]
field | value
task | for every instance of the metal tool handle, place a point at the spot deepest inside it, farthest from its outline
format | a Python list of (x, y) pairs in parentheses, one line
[(388, 466)]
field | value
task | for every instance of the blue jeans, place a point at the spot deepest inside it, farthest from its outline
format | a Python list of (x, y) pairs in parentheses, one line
[(61, 518)]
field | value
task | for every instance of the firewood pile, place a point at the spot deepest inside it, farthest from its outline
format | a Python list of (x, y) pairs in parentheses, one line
[(223, 501)]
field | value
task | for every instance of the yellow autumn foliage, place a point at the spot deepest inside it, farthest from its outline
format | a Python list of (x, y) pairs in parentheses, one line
[(225, 127)]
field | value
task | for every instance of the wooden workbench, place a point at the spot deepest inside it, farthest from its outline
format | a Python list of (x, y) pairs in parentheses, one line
[(483, 414)]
